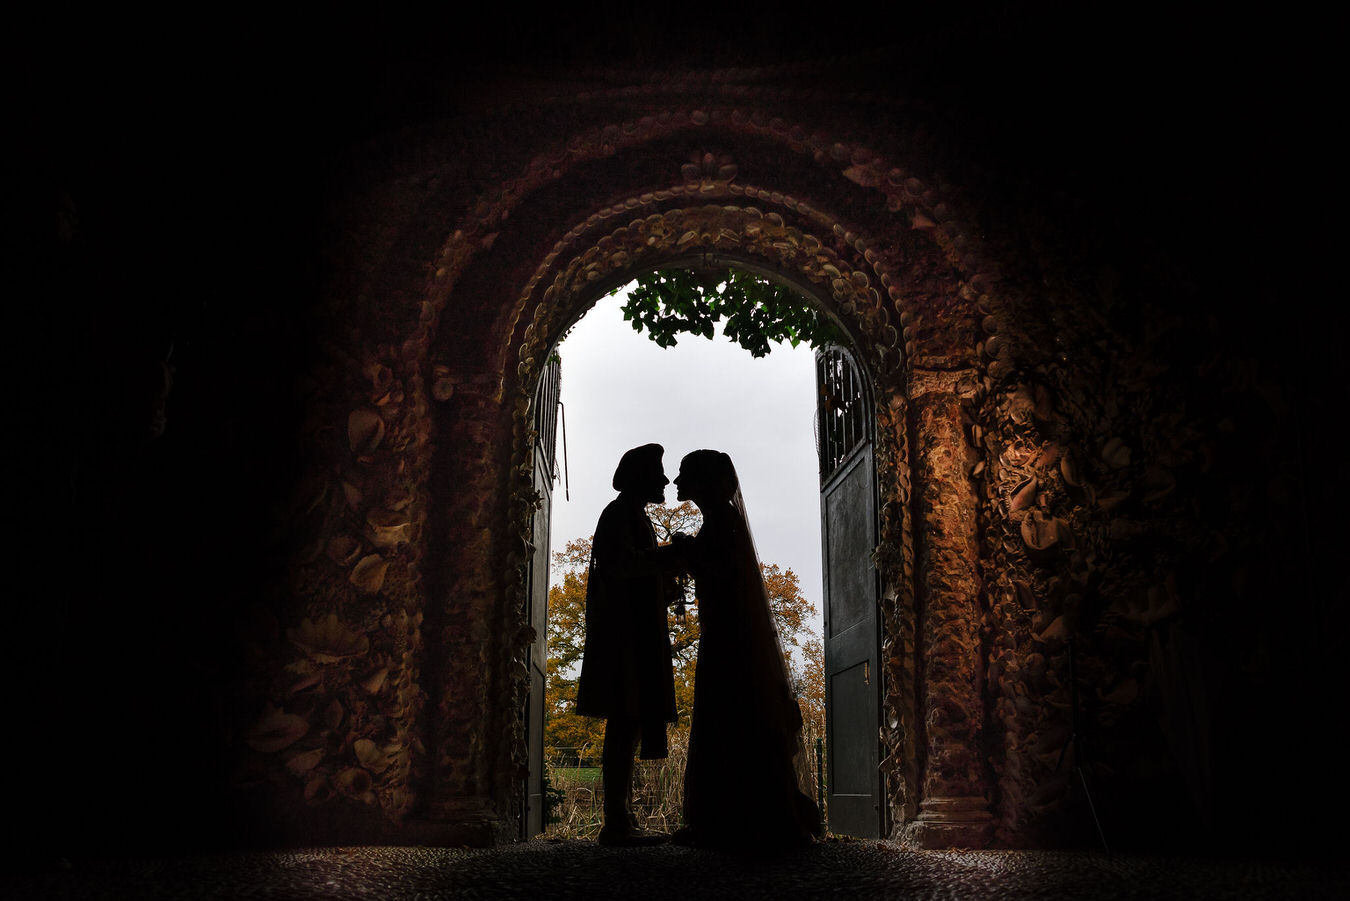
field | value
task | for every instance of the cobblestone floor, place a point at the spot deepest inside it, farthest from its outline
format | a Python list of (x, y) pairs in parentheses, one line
[(552, 871)]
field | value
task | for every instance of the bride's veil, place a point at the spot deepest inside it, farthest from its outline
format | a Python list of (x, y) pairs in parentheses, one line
[(767, 657)]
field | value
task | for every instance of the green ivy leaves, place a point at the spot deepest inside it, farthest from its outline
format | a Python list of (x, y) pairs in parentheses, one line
[(668, 302)]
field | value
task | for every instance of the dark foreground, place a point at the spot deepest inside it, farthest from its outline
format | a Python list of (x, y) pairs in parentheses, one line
[(584, 870)]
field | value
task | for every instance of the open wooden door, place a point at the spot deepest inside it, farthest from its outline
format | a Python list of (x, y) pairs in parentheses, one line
[(848, 509), (546, 430)]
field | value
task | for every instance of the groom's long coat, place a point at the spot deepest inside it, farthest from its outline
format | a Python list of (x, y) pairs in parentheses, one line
[(626, 670)]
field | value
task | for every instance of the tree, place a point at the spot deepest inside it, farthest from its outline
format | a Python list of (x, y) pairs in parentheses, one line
[(684, 517), (791, 611), (564, 728), (811, 689), (757, 311)]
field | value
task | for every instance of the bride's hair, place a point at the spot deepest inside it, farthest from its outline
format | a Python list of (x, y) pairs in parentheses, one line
[(713, 474), (711, 470)]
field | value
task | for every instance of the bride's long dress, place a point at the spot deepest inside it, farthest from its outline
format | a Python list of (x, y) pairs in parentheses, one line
[(741, 788)]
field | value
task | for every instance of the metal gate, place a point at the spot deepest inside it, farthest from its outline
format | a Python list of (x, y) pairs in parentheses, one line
[(848, 509)]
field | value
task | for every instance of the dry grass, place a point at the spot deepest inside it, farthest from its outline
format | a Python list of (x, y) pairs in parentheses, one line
[(658, 794)]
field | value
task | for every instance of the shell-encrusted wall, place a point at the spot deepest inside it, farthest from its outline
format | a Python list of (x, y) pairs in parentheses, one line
[(291, 333), (1036, 473), (339, 656), (435, 467), (1098, 461)]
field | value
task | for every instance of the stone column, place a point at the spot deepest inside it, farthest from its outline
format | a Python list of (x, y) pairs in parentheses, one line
[(470, 711), (954, 806)]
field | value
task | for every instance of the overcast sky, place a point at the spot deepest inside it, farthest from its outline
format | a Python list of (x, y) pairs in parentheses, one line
[(620, 390)]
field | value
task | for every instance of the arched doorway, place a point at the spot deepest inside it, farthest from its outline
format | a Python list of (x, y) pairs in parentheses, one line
[(849, 298), (438, 460), (649, 396), (847, 277)]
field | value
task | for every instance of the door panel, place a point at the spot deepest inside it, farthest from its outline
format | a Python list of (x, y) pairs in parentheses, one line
[(545, 426), (850, 541), (852, 637), (852, 704)]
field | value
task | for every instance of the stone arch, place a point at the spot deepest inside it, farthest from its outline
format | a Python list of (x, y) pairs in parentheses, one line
[(749, 239), (440, 376), (365, 263), (791, 239)]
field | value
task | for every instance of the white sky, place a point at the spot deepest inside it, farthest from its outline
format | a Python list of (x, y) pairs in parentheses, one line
[(620, 390)]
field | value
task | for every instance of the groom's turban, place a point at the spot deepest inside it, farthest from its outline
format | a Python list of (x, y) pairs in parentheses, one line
[(636, 463)]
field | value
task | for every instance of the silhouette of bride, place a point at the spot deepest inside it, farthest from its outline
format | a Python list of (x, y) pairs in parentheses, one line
[(741, 787)]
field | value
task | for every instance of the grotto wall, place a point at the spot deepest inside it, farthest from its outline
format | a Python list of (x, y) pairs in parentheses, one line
[(652, 202), (289, 405), (1052, 502)]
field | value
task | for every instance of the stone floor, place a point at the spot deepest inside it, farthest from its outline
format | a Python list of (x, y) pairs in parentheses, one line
[(552, 871)]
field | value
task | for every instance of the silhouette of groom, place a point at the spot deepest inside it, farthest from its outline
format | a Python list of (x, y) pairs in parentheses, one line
[(626, 675)]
